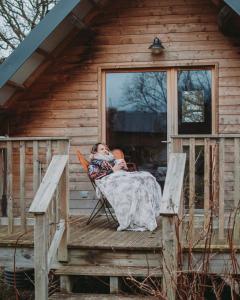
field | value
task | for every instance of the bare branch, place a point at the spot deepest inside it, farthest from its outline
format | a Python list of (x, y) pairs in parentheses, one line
[(17, 19)]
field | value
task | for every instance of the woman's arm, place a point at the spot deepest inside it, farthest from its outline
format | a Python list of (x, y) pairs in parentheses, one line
[(96, 172)]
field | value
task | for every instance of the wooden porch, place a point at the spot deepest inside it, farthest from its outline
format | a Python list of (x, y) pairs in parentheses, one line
[(72, 248)]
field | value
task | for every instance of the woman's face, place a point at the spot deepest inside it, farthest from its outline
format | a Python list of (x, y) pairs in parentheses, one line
[(102, 149)]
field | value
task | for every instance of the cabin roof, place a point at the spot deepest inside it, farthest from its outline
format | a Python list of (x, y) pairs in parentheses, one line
[(40, 43), (44, 38), (234, 4)]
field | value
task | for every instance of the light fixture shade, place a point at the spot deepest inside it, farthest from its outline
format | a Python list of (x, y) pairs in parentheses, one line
[(156, 46)]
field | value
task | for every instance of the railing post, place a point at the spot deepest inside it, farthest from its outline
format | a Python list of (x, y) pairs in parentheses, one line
[(9, 187), (169, 254), (35, 167), (221, 188), (64, 195), (206, 183), (22, 184), (40, 257), (191, 190), (236, 188)]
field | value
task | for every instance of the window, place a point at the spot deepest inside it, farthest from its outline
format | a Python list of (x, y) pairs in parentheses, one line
[(194, 101)]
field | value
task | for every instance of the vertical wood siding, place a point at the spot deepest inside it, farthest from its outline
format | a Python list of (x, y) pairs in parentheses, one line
[(64, 100)]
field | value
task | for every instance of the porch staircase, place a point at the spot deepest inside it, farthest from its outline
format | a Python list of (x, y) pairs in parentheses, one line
[(98, 250)]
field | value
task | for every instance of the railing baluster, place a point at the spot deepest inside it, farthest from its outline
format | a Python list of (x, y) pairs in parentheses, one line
[(215, 176), (22, 184), (9, 187), (52, 220), (206, 182), (236, 187), (35, 167), (221, 188), (1, 178), (191, 188)]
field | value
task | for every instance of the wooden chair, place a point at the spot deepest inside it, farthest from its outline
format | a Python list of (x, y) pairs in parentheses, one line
[(102, 202)]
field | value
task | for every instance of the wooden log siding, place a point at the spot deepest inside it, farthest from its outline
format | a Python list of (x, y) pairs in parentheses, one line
[(27, 161), (65, 98), (224, 178)]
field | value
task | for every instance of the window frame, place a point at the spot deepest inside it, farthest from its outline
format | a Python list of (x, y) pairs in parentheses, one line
[(172, 91)]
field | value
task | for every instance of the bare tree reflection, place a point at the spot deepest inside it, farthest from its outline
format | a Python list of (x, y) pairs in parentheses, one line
[(194, 92), (146, 92)]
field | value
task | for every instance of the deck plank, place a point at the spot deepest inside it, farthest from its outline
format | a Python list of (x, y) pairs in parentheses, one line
[(109, 271), (61, 296)]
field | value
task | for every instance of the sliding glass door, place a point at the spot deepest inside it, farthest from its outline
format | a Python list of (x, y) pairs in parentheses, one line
[(136, 118)]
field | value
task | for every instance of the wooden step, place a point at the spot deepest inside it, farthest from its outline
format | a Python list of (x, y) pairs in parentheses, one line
[(68, 296), (109, 271)]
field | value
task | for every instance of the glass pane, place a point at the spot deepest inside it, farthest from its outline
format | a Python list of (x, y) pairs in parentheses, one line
[(137, 118), (194, 101)]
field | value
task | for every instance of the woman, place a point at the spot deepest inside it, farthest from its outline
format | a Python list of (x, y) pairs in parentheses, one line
[(134, 196)]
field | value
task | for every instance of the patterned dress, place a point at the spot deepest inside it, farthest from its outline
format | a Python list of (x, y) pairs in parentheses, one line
[(134, 196)]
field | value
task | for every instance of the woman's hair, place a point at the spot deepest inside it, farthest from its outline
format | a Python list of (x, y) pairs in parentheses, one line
[(95, 148)]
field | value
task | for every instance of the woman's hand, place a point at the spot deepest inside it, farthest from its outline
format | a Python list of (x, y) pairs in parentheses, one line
[(117, 167)]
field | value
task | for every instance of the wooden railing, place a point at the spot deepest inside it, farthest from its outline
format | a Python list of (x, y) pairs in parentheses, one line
[(51, 222), (23, 162), (171, 212), (218, 158)]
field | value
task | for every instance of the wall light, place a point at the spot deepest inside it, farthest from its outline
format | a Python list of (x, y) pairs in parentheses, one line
[(156, 46)]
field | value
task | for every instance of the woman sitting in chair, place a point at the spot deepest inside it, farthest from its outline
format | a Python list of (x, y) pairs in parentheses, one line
[(134, 196)]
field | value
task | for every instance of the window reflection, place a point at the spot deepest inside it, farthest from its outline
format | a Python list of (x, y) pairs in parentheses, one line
[(194, 101), (137, 118)]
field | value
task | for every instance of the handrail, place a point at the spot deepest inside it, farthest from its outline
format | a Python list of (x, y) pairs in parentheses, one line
[(199, 136), (55, 182), (170, 203), (49, 184), (7, 138)]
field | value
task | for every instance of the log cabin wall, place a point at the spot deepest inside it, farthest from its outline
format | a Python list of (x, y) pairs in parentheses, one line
[(64, 100)]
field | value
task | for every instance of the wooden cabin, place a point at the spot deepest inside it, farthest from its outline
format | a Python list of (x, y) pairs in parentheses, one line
[(87, 73)]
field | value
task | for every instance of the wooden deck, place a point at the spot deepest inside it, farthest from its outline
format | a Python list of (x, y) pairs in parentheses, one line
[(99, 234), (99, 247)]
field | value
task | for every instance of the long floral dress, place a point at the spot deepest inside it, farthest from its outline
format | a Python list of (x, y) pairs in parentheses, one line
[(134, 196)]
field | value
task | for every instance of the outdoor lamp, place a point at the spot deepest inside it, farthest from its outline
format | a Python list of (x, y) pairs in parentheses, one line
[(156, 46)]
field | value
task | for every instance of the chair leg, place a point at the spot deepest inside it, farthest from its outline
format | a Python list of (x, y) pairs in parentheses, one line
[(95, 211), (108, 212)]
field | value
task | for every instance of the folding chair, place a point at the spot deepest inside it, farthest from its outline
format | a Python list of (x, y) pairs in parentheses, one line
[(102, 202)]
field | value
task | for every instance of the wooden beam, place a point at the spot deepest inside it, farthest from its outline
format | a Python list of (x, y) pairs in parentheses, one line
[(44, 53), (169, 257), (40, 257), (16, 85), (79, 23), (114, 285), (97, 4), (49, 183), (217, 2), (55, 243)]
